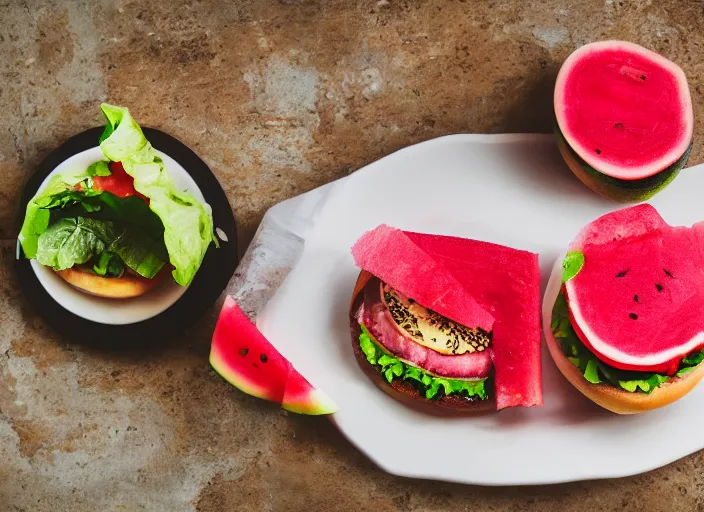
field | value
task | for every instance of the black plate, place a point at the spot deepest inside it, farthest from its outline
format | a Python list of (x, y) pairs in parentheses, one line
[(218, 265)]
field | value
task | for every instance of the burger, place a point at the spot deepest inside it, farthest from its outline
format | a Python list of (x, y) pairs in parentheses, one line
[(624, 311), (117, 228), (439, 321)]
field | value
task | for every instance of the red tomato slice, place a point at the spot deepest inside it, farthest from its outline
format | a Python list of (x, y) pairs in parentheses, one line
[(118, 183)]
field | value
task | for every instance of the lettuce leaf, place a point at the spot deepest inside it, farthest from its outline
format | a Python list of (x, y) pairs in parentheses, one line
[(77, 240), (433, 387), (596, 371), (57, 194), (572, 264), (109, 264), (188, 223), (73, 241)]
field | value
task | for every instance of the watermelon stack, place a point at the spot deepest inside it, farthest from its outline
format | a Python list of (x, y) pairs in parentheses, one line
[(624, 119)]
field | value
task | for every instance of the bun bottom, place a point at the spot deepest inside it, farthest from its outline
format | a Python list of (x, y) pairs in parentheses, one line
[(401, 389), (125, 287), (618, 400)]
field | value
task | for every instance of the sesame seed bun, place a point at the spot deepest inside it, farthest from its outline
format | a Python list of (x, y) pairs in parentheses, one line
[(618, 400), (126, 287), (401, 389)]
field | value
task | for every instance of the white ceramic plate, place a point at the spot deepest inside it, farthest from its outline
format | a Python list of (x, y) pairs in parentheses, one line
[(114, 311), (513, 190)]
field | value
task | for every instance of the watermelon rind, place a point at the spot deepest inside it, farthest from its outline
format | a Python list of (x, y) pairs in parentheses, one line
[(623, 191), (302, 398), (315, 403)]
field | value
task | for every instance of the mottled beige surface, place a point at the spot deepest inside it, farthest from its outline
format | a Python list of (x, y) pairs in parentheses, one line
[(277, 97)]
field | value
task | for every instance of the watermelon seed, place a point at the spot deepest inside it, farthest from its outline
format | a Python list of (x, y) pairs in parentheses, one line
[(642, 77), (668, 273), (633, 316), (598, 151), (635, 298), (622, 274), (263, 358), (244, 351), (618, 126), (659, 287)]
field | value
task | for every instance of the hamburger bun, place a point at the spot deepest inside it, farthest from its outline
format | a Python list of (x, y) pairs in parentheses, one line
[(126, 287), (401, 389), (618, 400)]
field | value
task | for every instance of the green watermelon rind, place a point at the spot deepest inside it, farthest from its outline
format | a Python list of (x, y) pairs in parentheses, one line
[(316, 403), (623, 191)]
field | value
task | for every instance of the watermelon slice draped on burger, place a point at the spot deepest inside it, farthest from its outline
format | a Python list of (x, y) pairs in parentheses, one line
[(120, 226), (447, 321), (627, 328)]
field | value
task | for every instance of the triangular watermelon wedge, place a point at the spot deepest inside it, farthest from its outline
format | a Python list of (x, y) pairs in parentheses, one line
[(241, 354), (482, 279)]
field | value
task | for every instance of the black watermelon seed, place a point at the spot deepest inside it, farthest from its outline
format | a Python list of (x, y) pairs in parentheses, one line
[(618, 126), (635, 298), (659, 287), (633, 316), (244, 352), (622, 274), (263, 358), (598, 151), (668, 273), (642, 77)]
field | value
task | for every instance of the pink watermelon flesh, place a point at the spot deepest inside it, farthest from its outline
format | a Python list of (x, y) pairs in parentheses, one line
[(625, 110), (638, 301), (393, 257), (507, 282), (246, 359)]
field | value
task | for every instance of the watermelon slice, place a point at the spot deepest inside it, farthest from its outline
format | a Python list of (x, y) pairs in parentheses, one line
[(394, 258), (638, 299), (624, 116), (498, 279), (244, 358)]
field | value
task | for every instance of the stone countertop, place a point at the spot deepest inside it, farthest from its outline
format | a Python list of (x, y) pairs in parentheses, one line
[(278, 97)]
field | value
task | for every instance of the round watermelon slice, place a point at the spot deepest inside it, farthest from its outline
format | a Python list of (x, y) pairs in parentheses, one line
[(246, 359), (637, 301), (624, 116)]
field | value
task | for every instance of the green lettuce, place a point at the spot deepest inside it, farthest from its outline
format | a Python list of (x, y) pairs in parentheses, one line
[(57, 194), (78, 240), (174, 227), (430, 385), (596, 371), (188, 223), (109, 264), (572, 264), (73, 241), (131, 231)]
